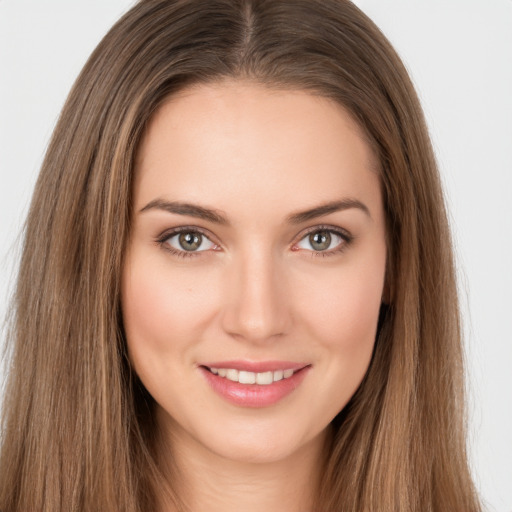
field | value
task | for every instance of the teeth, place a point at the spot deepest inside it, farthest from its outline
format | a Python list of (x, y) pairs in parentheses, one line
[(246, 377), (264, 378), (243, 377), (278, 375), (232, 375)]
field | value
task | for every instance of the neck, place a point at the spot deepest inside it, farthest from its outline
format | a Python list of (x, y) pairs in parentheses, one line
[(204, 480)]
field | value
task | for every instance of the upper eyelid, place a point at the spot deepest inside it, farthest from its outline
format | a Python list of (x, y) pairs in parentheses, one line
[(169, 233), (324, 227)]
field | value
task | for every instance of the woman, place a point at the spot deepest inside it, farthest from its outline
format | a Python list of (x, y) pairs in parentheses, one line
[(237, 286)]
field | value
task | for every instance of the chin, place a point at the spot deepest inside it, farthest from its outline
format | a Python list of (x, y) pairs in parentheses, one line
[(261, 444)]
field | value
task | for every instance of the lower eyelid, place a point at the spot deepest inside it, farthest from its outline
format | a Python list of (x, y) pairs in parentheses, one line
[(331, 252)]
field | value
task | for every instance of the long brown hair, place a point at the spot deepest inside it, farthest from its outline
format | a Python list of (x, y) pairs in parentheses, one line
[(78, 430)]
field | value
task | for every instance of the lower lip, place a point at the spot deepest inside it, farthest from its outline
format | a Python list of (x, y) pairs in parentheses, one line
[(254, 395)]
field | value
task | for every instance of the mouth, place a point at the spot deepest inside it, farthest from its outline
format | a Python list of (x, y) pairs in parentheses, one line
[(247, 377), (249, 384)]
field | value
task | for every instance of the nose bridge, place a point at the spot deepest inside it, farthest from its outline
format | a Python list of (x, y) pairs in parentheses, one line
[(257, 308)]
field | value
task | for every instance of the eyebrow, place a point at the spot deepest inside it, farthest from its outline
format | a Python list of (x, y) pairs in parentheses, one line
[(216, 217), (327, 208), (189, 209)]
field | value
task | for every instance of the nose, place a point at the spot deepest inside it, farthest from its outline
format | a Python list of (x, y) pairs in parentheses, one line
[(257, 307)]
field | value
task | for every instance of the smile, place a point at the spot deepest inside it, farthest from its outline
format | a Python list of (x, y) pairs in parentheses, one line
[(246, 377), (248, 384)]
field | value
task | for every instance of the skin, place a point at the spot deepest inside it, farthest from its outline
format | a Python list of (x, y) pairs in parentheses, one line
[(259, 291)]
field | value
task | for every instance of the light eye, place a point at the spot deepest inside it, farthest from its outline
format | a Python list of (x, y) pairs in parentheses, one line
[(321, 240), (190, 241)]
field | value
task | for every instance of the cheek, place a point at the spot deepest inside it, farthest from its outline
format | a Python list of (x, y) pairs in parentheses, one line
[(343, 314), (162, 310), (343, 322)]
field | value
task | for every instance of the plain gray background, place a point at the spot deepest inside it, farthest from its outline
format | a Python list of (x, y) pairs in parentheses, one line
[(459, 53)]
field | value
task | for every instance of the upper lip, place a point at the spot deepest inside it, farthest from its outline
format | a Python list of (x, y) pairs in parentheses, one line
[(256, 366)]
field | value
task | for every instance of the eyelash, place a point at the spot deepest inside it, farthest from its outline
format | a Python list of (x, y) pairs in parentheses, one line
[(164, 237), (346, 237)]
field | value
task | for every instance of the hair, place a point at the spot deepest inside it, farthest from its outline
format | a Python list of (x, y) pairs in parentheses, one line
[(78, 429)]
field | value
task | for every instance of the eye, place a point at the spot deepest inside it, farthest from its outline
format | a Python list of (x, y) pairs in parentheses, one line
[(188, 241), (323, 240)]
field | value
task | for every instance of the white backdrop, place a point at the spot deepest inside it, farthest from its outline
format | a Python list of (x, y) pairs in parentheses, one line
[(459, 53)]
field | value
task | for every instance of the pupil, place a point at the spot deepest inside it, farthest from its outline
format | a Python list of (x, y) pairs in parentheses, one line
[(320, 240), (190, 241)]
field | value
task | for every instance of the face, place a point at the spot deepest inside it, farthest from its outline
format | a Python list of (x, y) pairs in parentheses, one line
[(255, 269)]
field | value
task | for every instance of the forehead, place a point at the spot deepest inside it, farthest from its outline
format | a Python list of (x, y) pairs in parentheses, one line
[(246, 146)]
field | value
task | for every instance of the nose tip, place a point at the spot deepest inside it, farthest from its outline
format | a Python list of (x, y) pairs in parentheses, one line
[(257, 309)]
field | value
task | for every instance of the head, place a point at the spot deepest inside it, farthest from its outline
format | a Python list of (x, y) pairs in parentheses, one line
[(83, 216)]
